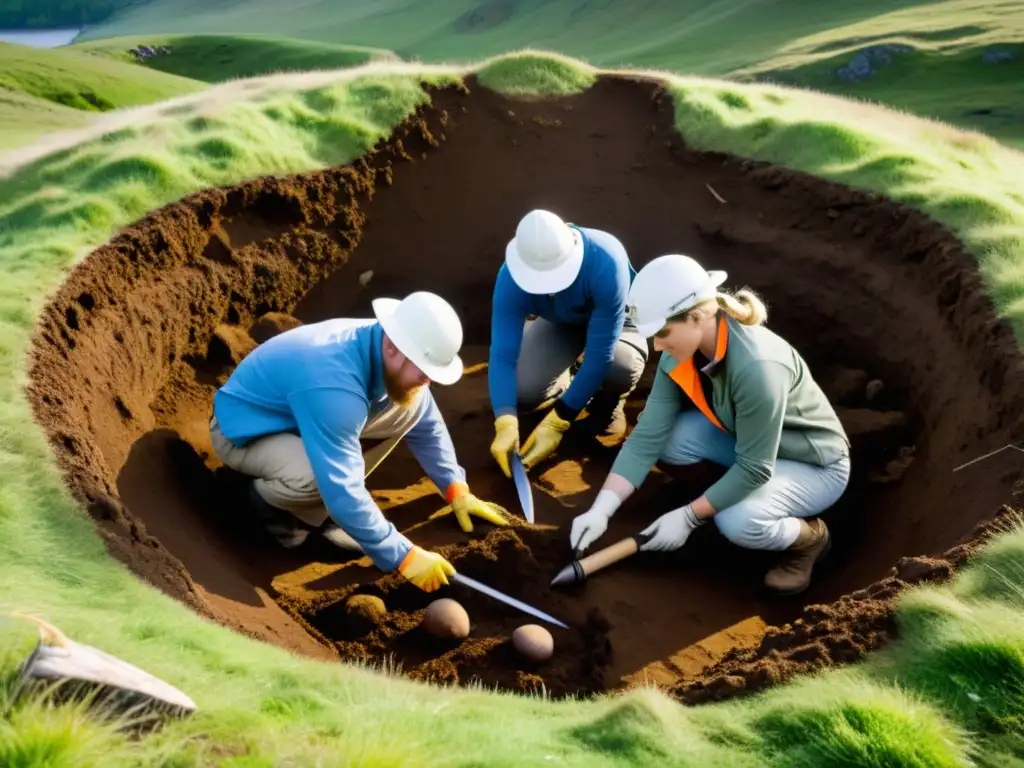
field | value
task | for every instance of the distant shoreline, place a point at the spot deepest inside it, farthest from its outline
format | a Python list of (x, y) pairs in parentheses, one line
[(41, 38)]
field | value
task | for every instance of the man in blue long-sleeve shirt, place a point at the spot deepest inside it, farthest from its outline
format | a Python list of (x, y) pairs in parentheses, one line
[(292, 413), (576, 281)]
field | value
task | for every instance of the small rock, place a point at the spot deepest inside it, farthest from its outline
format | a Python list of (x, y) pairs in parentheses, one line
[(271, 324), (229, 345), (997, 57), (446, 618), (917, 569), (844, 386), (369, 607), (873, 389), (895, 469), (862, 422), (534, 642)]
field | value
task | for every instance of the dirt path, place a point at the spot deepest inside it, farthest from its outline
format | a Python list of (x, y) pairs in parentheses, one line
[(130, 350)]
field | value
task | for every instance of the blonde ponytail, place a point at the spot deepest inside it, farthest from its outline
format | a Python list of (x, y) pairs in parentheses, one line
[(744, 306)]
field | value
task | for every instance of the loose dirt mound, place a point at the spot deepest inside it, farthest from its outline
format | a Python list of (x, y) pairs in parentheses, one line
[(885, 305)]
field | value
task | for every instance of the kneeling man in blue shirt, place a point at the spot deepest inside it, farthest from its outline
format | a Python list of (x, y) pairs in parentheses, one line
[(292, 413)]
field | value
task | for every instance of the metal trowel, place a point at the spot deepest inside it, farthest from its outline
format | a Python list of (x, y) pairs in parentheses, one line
[(523, 487)]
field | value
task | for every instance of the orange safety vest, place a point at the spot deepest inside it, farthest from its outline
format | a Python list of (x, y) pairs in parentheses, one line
[(688, 378)]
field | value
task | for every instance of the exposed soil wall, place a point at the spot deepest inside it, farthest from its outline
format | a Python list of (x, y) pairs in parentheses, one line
[(884, 303)]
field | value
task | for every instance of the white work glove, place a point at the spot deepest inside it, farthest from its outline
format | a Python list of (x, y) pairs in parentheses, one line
[(671, 530), (592, 524)]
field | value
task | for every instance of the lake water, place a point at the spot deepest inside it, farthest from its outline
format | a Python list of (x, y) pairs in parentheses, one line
[(40, 38)]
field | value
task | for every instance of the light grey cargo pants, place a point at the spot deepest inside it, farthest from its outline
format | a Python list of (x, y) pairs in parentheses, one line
[(548, 353)]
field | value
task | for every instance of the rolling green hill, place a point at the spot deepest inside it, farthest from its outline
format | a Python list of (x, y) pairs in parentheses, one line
[(80, 81), (961, 61), (26, 118), (693, 35), (214, 58)]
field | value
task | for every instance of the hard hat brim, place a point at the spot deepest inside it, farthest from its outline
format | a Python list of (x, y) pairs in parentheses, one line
[(384, 311), (541, 281)]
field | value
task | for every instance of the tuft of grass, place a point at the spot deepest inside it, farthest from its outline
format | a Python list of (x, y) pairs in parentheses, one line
[(532, 73), (884, 729), (260, 705)]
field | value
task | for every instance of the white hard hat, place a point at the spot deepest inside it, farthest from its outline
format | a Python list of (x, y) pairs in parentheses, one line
[(426, 329), (667, 286), (545, 255)]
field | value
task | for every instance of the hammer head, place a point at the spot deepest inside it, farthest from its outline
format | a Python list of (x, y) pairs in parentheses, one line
[(572, 573)]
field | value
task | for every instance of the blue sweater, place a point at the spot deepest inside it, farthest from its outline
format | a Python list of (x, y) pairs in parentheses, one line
[(596, 298), (324, 382)]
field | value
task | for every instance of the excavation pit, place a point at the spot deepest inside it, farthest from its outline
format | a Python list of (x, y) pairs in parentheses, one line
[(884, 304)]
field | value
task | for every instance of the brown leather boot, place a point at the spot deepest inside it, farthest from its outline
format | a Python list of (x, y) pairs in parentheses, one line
[(793, 573)]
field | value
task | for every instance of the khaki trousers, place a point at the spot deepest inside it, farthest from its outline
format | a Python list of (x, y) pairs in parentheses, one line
[(284, 476)]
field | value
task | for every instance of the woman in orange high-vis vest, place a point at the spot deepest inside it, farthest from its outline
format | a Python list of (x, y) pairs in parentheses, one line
[(730, 391)]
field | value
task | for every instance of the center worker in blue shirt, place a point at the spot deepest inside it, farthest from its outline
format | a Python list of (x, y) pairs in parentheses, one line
[(292, 413), (576, 280)]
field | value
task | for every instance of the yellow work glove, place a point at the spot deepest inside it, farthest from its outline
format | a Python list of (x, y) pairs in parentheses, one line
[(427, 570), (506, 440), (465, 504), (544, 439)]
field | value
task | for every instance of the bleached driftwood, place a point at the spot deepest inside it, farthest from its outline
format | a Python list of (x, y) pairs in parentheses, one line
[(71, 670)]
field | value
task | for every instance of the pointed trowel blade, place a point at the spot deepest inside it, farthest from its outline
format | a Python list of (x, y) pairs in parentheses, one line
[(474, 584), (523, 487)]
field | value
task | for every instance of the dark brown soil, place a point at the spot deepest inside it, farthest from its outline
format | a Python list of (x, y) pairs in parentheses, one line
[(885, 304)]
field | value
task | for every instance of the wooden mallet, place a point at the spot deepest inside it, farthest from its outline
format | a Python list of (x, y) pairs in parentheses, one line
[(580, 569)]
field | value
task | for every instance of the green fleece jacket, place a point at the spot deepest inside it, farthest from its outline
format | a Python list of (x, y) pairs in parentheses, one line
[(763, 394)]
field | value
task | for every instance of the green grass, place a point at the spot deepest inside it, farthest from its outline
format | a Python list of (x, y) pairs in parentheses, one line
[(215, 58), (801, 41), (943, 74), (957, 88), (937, 698), (26, 118), (692, 34), (89, 83)]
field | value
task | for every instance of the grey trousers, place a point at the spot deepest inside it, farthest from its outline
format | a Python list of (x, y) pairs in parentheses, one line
[(549, 351)]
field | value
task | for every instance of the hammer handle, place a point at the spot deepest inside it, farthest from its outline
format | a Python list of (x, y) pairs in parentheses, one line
[(612, 554)]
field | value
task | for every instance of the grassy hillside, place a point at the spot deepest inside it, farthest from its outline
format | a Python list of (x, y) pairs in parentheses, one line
[(963, 63), (89, 83), (215, 58), (26, 118), (692, 35), (801, 42), (943, 696)]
